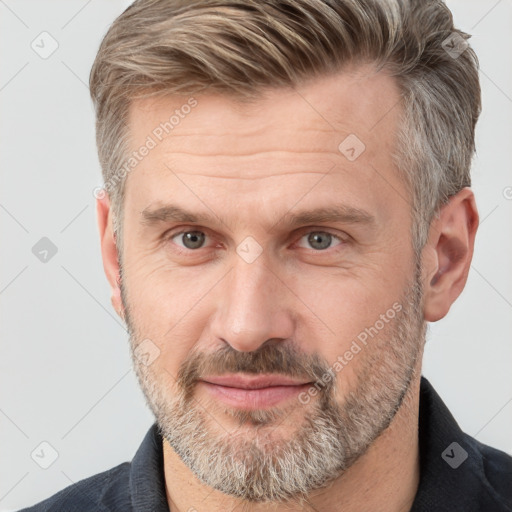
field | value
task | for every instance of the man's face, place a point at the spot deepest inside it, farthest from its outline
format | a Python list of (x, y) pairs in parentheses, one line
[(257, 281)]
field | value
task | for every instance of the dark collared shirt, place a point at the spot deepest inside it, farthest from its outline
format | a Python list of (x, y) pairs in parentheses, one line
[(457, 473)]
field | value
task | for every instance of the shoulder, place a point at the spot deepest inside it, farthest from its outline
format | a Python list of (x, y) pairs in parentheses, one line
[(106, 491), (458, 472), (496, 473)]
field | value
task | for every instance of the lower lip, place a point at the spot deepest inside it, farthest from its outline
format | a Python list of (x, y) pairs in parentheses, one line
[(253, 398)]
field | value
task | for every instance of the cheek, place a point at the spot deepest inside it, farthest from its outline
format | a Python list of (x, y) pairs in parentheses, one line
[(338, 309), (167, 305), (163, 291)]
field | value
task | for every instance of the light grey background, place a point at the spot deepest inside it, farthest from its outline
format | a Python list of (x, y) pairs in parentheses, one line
[(65, 370)]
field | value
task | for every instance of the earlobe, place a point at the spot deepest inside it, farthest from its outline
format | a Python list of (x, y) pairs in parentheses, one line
[(450, 251), (109, 252)]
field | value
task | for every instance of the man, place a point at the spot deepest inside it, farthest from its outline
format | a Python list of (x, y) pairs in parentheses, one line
[(286, 205)]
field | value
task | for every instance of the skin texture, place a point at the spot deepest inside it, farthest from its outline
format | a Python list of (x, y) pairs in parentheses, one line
[(250, 167)]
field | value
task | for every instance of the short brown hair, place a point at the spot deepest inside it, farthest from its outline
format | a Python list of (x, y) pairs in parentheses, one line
[(239, 48)]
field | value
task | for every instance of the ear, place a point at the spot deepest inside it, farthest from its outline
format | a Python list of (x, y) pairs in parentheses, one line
[(448, 253), (109, 252)]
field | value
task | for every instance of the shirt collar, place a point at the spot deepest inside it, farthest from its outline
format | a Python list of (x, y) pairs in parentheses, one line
[(147, 479), (452, 474)]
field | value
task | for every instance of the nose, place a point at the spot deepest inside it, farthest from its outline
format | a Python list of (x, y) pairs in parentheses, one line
[(253, 307)]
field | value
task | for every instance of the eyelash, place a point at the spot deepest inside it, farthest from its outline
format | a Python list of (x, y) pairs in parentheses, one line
[(170, 235)]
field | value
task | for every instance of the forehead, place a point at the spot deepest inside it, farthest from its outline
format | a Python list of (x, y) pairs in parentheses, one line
[(289, 137), (357, 99)]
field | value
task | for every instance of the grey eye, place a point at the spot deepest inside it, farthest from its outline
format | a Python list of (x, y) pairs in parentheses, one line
[(319, 240), (191, 239)]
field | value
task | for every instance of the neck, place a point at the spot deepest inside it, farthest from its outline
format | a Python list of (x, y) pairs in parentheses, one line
[(385, 478)]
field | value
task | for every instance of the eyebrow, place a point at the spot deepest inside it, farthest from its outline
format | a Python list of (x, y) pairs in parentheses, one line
[(339, 213)]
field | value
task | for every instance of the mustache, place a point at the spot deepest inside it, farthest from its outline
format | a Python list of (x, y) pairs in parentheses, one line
[(270, 358)]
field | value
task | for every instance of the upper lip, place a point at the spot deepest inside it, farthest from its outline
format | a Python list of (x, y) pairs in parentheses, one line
[(253, 382)]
